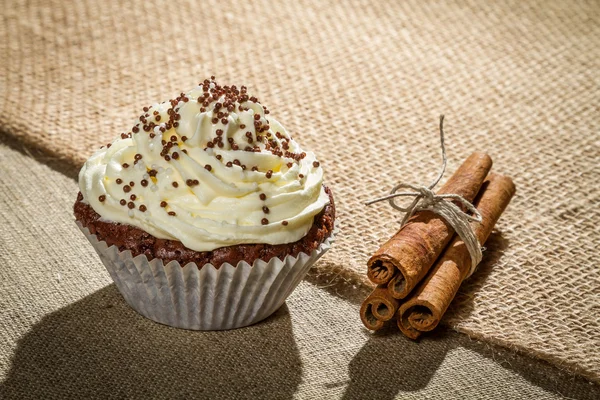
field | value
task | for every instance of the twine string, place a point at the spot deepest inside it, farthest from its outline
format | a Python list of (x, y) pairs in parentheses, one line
[(444, 205)]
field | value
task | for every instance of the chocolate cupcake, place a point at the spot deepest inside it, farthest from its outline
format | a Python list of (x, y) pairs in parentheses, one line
[(207, 214)]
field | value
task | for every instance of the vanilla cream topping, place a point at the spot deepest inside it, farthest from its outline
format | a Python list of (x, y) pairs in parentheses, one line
[(210, 169)]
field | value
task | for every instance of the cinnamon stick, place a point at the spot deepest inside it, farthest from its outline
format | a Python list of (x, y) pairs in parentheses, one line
[(406, 328), (367, 315), (404, 260), (380, 306), (424, 309)]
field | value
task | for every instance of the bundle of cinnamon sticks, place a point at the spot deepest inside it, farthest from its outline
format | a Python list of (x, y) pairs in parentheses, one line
[(420, 269)]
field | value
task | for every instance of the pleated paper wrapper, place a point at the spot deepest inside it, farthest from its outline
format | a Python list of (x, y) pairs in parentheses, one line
[(204, 298)]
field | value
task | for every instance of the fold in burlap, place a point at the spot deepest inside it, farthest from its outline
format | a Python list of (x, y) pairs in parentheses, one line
[(362, 84)]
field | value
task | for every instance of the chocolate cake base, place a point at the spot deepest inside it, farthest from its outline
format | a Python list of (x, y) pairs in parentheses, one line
[(127, 237)]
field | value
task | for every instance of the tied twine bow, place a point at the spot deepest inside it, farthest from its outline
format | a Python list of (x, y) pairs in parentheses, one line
[(441, 204)]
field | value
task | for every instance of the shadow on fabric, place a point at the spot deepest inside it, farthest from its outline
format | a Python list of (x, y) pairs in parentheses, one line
[(388, 366), (399, 373), (98, 347)]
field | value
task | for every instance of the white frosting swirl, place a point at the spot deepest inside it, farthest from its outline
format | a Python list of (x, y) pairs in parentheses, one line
[(255, 159)]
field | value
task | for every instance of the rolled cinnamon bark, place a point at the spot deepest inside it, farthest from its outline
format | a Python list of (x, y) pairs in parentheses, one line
[(406, 328), (405, 259), (367, 310), (378, 307), (426, 306)]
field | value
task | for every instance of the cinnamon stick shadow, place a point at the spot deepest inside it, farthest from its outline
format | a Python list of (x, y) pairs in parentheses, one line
[(390, 365)]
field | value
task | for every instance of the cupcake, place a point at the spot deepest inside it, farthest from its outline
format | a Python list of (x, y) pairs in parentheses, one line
[(206, 214)]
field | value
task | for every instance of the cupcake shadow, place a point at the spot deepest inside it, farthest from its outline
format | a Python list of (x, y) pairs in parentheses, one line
[(98, 347)]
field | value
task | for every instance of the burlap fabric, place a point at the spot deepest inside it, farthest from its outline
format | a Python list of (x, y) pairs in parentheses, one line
[(67, 333), (362, 84)]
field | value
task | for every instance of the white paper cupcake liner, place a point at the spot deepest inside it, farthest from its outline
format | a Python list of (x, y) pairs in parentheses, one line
[(207, 298)]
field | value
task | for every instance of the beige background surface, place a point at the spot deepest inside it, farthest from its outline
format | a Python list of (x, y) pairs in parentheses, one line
[(362, 83), (66, 332)]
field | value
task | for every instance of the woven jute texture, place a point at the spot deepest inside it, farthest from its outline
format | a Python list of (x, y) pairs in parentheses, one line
[(362, 84), (67, 333)]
